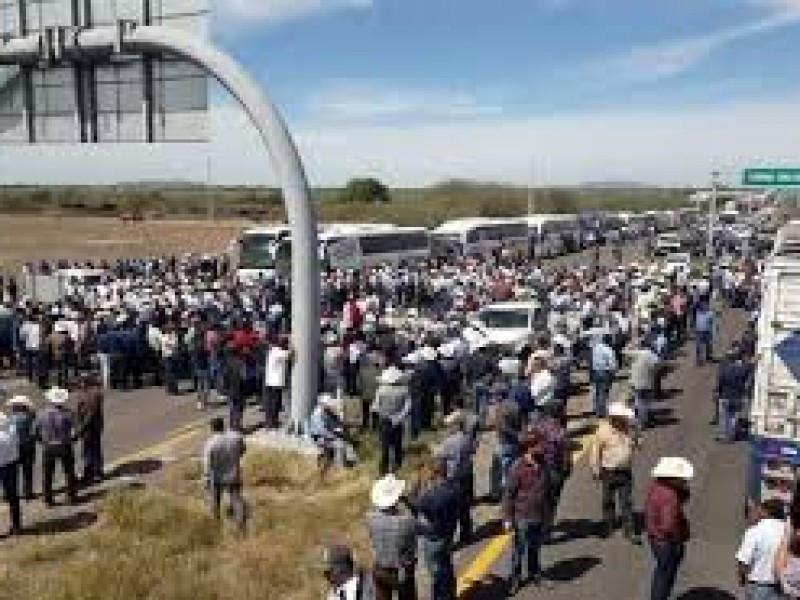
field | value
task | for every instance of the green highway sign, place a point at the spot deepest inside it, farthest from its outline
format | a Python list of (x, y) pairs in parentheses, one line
[(782, 177)]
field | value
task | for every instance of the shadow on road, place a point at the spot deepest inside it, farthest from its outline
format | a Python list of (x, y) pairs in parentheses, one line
[(136, 468), (706, 593), (492, 588), (571, 569), (575, 529), (65, 524)]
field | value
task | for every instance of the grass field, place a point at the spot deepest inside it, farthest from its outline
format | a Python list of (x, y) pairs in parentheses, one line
[(162, 545)]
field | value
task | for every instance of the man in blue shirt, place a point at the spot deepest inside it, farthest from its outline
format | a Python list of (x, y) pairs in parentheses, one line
[(603, 367), (704, 324), (733, 385)]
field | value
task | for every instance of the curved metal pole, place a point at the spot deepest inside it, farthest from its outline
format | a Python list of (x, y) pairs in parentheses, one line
[(288, 166)]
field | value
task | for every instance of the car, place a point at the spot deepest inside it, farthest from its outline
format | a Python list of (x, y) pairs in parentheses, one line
[(667, 243), (507, 325)]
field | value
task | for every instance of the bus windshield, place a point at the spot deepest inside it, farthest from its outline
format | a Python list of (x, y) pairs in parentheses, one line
[(257, 252)]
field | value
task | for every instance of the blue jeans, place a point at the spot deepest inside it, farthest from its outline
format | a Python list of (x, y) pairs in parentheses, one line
[(753, 591), (438, 556), (203, 381), (703, 347), (641, 401), (601, 388), (667, 560), (726, 415), (528, 540), (506, 455)]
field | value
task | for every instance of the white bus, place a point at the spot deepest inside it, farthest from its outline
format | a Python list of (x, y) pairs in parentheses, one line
[(256, 253), (355, 247), (482, 237), (553, 235)]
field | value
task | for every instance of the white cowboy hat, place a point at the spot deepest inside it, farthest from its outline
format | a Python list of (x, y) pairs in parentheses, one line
[(621, 410), (510, 366), (447, 351), (386, 492), (391, 376), (22, 401), (673, 467), (412, 359), (328, 401), (56, 396), (428, 353), (541, 355)]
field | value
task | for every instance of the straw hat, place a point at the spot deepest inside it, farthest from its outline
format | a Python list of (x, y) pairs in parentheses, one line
[(56, 396), (673, 467), (20, 401), (391, 376), (621, 410), (387, 491)]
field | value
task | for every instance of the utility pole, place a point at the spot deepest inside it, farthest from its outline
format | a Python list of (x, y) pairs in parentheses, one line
[(712, 217)]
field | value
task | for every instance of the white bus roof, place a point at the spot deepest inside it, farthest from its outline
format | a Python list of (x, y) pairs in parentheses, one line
[(466, 224), (267, 230), (539, 219)]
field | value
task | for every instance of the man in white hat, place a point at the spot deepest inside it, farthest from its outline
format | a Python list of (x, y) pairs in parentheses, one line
[(611, 462), (54, 428), (326, 428), (666, 523), (393, 533), (9, 476), (392, 406), (21, 421), (431, 382)]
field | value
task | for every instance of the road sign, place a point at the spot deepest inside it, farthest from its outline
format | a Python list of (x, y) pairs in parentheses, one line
[(775, 178), (153, 98)]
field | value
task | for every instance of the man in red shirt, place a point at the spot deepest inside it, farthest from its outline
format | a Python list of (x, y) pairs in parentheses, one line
[(666, 523)]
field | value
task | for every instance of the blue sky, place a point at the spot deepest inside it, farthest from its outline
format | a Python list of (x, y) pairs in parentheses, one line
[(550, 91)]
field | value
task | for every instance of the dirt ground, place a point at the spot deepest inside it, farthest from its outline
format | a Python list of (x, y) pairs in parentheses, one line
[(25, 238)]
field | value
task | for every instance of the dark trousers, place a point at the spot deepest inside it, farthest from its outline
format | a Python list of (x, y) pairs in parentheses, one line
[(61, 367), (667, 559), (466, 485), (528, 540), (236, 406), (703, 350), (27, 460), (92, 456), (391, 439), (272, 406), (66, 456), (171, 365), (9, 480), (395, 583), (617, 495), (438, 555)]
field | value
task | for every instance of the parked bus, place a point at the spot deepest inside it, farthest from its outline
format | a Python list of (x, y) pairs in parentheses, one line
[(362, 246), (481, 237), (256, 253), (553, 235)]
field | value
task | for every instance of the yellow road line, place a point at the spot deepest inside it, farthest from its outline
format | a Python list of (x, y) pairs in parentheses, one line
[(497, 546), (156, 450), (488, 555)]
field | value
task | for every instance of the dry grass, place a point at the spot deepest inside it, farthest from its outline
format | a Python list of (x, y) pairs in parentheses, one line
[(35, 237), (162, 545)]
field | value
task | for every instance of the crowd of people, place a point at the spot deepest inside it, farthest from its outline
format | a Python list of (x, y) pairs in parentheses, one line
[(400, 353)]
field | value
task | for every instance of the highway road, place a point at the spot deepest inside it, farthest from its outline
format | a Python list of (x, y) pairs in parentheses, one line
[(580, 565)]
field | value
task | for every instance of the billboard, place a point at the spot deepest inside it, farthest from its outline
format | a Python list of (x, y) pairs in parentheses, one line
[(157, 98)]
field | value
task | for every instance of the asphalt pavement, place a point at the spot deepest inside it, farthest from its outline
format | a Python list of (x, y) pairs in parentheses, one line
[(579, 564)]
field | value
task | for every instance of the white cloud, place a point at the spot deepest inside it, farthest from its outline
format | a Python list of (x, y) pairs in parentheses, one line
[(359, 101), (677, 146), (247, 11), (669, 59)]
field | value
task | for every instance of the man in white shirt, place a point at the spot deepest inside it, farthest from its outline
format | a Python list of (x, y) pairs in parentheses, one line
[(9, 475), (276, 375), (756, 555), (30, 333)]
